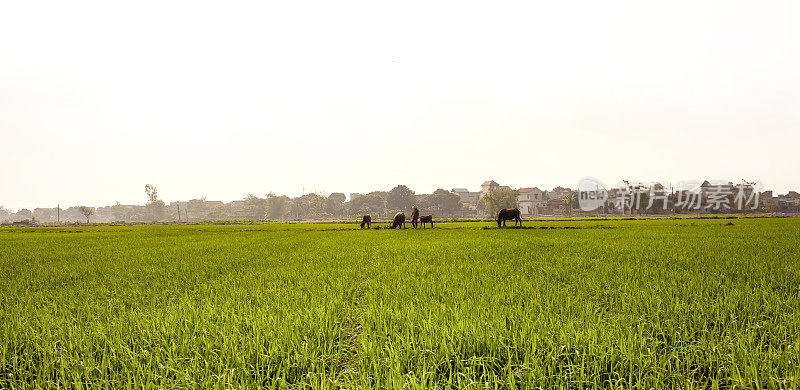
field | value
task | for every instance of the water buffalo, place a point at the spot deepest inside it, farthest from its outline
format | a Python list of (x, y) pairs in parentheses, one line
[(426, 219), (366, 221), (399, 221), (507, 215)]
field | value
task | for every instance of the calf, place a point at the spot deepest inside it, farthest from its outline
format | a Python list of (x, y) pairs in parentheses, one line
[(426, 219), (366, 221)]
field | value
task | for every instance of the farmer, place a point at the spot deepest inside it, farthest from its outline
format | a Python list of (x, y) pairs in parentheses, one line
[(414, 217)]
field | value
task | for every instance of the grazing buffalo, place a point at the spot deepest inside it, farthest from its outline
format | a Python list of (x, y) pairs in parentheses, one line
[(507, 215), (399, 221), (426, 219), (366, 221)]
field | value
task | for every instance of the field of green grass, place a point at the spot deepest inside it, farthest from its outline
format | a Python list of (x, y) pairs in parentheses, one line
[(656, 303)]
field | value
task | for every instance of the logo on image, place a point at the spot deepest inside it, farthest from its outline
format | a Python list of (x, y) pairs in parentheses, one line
[(592, 194)]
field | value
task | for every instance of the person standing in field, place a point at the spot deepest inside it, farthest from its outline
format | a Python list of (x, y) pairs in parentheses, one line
[(414, 217)]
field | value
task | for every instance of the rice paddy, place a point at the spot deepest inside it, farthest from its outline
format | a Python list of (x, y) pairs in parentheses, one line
[(577, 304)]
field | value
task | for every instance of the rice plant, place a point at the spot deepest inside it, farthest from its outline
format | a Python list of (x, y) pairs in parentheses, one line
[(578, 304)]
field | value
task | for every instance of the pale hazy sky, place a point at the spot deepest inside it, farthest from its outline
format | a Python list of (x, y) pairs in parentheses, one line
[(222, 99)]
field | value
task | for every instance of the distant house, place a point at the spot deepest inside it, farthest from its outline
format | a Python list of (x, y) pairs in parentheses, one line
[(786, 200), (708, 187), (558, 192), (555, 203), (467, 197), (489, 185), (530, 199)]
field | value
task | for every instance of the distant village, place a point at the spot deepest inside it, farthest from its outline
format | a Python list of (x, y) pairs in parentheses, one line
[(456, 203)]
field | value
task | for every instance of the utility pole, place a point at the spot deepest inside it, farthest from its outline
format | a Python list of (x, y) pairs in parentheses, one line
[(58, 213)]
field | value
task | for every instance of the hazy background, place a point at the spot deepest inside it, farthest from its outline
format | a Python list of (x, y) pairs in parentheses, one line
[(220, 100)]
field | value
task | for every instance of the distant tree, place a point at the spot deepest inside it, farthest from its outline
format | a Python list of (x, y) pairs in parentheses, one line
[(254, 207), (103, 214), (772, 207), (277, 207), (373, 203), (138, 213), (480, 206), (152, 193), (22, 215), (355, 204), (568, 202), (171, 213), (337, 197), (5, 215), (427, 205), (155, 207), (71, 214), (219, 212), (500, 198), (449, 203), (560, 191), (296, 209), (197, 208), (308, 206), (400, 198), (44, 214), (118, 212), (86, 211), (156, 210), (334, 204), (441, 202)]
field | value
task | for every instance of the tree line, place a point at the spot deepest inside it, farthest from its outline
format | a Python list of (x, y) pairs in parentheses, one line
[(312, 206), (379, 204)]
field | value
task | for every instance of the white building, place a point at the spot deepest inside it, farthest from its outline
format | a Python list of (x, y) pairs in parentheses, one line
[(529, 199)]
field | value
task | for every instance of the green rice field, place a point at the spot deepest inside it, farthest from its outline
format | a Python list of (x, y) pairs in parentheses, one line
[(667, 303)]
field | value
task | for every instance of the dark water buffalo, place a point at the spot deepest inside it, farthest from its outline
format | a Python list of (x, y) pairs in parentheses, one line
[(399, 221), (366, 221), (426, 219), (507, 215)]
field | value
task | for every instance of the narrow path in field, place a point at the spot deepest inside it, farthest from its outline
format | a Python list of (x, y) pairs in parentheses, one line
[(346, 372), (347, 362)]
